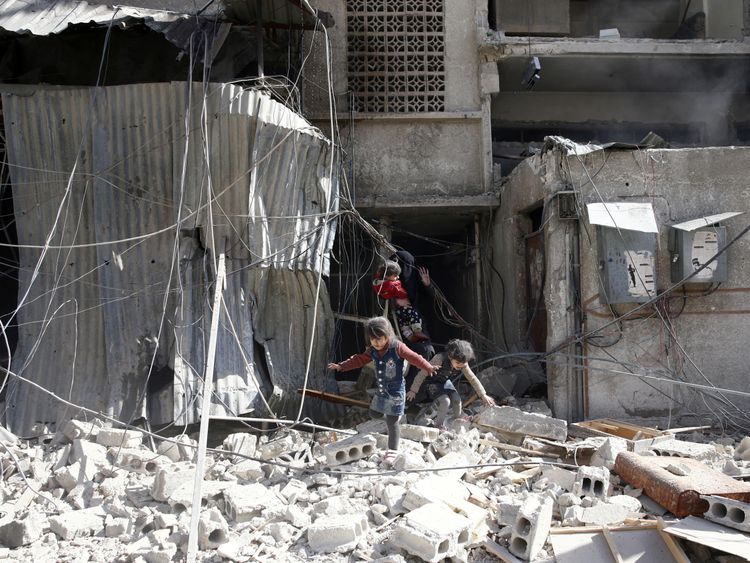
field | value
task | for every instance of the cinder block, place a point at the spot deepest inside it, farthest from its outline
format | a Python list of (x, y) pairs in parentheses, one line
[(592, 482), (22, 532), (75, 429), (241, 443), (243, 502), (274, 448), (119, 437), (77, 523), (392, 496), (728, 512), (115, 527), (293, 489), (680, 448), (559, 476), (434, 488), (169, 478), (419, 433), (179, 448), (511, 419), (531, 527), (349, 449), (296, 516), (212, 529), (138, 461), (337, 533), (476, 515), (432, 532), (182, 498), (339, 504)]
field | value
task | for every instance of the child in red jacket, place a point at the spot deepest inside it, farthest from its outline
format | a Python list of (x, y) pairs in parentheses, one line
[(387, 285)]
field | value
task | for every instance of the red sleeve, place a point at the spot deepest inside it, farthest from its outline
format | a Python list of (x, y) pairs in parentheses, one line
[(413, 358), (356, 361), (389, 289)]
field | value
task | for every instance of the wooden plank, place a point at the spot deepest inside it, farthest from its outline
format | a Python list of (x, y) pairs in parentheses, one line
[(333, 398), (494, 548), (674, 548), (612, 545), (645, 525)]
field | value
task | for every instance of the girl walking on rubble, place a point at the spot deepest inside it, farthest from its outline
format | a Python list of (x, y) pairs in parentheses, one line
[(389, 355), (440, 389)]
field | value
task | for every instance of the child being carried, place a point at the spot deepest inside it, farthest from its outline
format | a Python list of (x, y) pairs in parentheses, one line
[(387, 285)]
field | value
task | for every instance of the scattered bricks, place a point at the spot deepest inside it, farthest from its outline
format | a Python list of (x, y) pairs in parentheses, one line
[(507, 508), (75, 429), (559, 476), (339, 504), (293, 489), (212, 529), (476, 515), (419, 433), (602, 514), (432, 532), (115, 527), (139, 461), (592, 481), (349, 449), (680, 448), (606, 454), (240, 443), (180, 448), (72, 475), (728, 512), (296, 516), (182, 498), (274, 448), (511, 419), (169, 478), (392, 497), (248, 469), (119, 437), (434, 488), (337, 533), (243, 502), (461, 459), (531, 527), (22, 532), (78, 523)]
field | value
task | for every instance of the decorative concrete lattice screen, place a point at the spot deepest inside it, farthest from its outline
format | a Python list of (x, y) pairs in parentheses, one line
[(396, 55)]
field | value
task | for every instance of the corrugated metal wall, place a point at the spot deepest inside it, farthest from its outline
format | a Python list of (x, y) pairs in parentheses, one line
[(89, 328)]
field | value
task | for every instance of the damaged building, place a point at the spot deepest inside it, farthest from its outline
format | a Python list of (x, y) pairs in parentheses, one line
[(195, 202)]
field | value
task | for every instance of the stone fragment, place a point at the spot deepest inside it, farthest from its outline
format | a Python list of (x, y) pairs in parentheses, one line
[(742, 451), (337, 533), (121, 438), (169, 478), (77, 523), (247, 469), (72, 475), (75, 429), (511, 419), (179, 448), (240, 443), (243, 502), (140, 461), (606, 454), (419, 433), (602, 514), (115, 527), (22, 532), (631, 503), (434, 488), (563, 478)]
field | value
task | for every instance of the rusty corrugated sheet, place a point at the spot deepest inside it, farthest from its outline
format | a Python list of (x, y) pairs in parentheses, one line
[(270, 167)]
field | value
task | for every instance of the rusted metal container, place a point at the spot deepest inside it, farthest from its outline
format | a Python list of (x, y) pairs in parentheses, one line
[(680, 494)]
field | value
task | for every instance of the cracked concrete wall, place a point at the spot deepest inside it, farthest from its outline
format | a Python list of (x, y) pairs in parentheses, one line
[(711, 332)]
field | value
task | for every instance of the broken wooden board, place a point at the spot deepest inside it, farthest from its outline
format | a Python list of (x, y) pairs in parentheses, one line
[(622, 544), (638, 438), (712, 535), (680, 494), (332, 398)]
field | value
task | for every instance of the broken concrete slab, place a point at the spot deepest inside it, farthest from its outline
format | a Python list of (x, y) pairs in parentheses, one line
[(121, 438), (511, 419), (432, 532), (336, 533), (531, 527)]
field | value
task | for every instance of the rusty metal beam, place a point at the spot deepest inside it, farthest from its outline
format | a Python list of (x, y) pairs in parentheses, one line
[(680, 494)]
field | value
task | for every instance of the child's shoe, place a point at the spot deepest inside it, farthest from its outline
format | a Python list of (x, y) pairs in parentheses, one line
[(388, 458)]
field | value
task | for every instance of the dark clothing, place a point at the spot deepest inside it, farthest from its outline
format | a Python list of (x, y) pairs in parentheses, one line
[(389, 398), (392, 427)]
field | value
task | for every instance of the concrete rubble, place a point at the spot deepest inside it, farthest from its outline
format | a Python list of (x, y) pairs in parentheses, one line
[(327, 496)]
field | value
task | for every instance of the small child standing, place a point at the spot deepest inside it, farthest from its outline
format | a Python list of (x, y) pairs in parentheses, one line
[(387, 285), (389, 355), (440, 389)]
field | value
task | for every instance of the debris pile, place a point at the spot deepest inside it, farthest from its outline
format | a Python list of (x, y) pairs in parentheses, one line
[(506, 484)]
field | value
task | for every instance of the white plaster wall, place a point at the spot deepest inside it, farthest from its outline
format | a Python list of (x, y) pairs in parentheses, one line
[(712, 331)]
